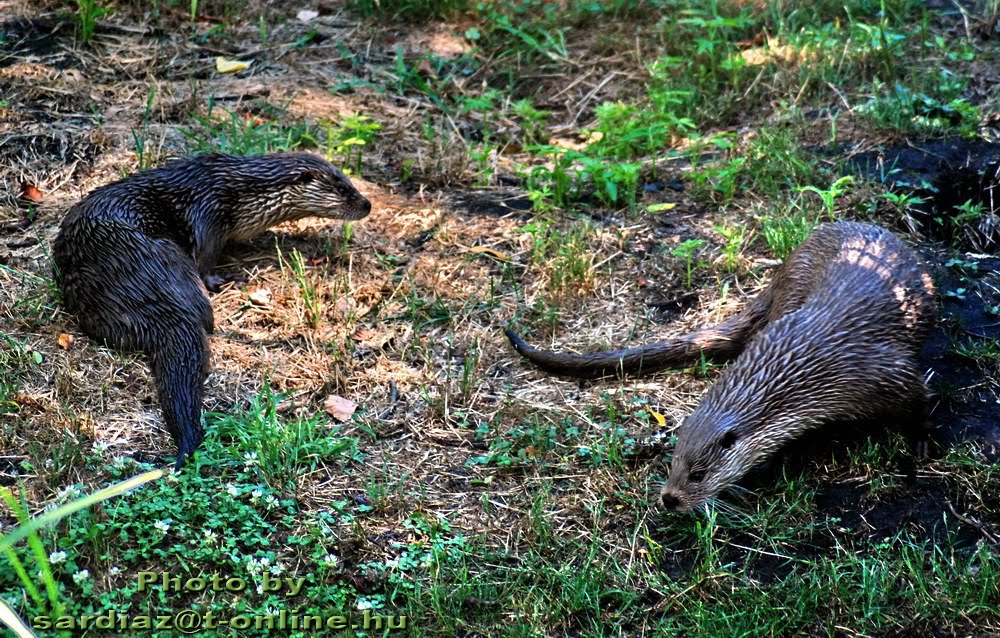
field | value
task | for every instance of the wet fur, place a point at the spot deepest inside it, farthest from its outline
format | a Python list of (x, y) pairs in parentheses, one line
[(132, 257), (833, 338)]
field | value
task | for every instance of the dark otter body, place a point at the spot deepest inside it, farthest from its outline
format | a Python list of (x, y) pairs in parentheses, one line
[(833, 338), (131, 257)]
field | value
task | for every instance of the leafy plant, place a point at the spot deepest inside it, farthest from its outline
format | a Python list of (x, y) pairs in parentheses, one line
[(938, 110), (248, 134), (348, 139), (830, 195), (87, 14), (280, 450), (736, 237), (687, 250), (29, 528), (784, 232)]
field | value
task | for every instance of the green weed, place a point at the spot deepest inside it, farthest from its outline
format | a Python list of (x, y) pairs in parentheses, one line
[(87, 14), (784, 232), (565, 255), (276, 449), (938, 110), (348, 139), (732, 251), (687, 250), (248, 134), (409, 9), (311, 298)]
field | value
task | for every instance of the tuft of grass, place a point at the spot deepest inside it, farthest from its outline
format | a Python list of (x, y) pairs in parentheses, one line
[(311, 298), (408, 10), (275, 449), (564, 255), (248, 133), (87, 14), (938, 110), (348, 139)]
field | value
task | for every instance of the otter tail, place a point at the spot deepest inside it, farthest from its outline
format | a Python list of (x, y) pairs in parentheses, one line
[(137, 292), (722, 342), (179, 363)]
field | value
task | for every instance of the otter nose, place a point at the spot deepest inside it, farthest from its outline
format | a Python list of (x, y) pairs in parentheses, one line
[(669, 501), (366, 206)]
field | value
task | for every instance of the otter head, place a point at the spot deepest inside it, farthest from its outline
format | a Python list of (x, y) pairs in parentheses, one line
[(277, 187), (712, 453), (313, 186)]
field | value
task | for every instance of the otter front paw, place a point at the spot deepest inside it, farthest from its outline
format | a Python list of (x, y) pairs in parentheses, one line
[(214, 283)]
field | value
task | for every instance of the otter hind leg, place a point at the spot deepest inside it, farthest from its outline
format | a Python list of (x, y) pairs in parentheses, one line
[(135, 292)]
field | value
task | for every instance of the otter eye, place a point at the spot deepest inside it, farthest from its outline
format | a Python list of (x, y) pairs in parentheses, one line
[(728, 440), (696, 476)]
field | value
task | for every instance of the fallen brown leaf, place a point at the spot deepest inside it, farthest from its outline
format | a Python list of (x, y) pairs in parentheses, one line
[(339, 408), (260, 296), (65, 340), (31, 193)]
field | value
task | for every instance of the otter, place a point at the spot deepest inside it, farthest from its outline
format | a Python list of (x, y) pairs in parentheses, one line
[(833, 338), (133, 258)]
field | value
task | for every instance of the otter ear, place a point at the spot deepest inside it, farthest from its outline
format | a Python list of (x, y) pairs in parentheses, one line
[(305, 177), (728, 439)]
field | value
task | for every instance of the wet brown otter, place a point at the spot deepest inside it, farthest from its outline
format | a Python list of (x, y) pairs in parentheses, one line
[(833, 338), (133, 258)]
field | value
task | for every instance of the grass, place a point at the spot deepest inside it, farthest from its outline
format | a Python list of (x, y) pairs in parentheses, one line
[(601, 173)]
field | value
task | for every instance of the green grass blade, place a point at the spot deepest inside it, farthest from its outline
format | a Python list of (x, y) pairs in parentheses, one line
[(63, 511)]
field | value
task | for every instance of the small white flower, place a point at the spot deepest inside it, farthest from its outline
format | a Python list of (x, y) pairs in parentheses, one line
[(70, 491), (163, 526), (114, 571), (57, 557), (271, 500), (249, 459), (232, 490), (210, 535), (331, 560), (265, 561), (363, 604), (81, 576), (260, 588), (257, 493)]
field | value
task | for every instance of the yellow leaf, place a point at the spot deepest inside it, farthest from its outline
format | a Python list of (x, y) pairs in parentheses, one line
[(659, 208), (225, 65), (486, 250), (660, 419)]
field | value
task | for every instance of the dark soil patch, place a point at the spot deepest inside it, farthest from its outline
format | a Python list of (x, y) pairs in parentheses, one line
[(945, 174), (44, 38), (494, 203), (967, 388)]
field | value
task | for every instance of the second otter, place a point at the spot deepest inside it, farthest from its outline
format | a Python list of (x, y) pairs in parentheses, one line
[(835, 337), (133, 258)]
